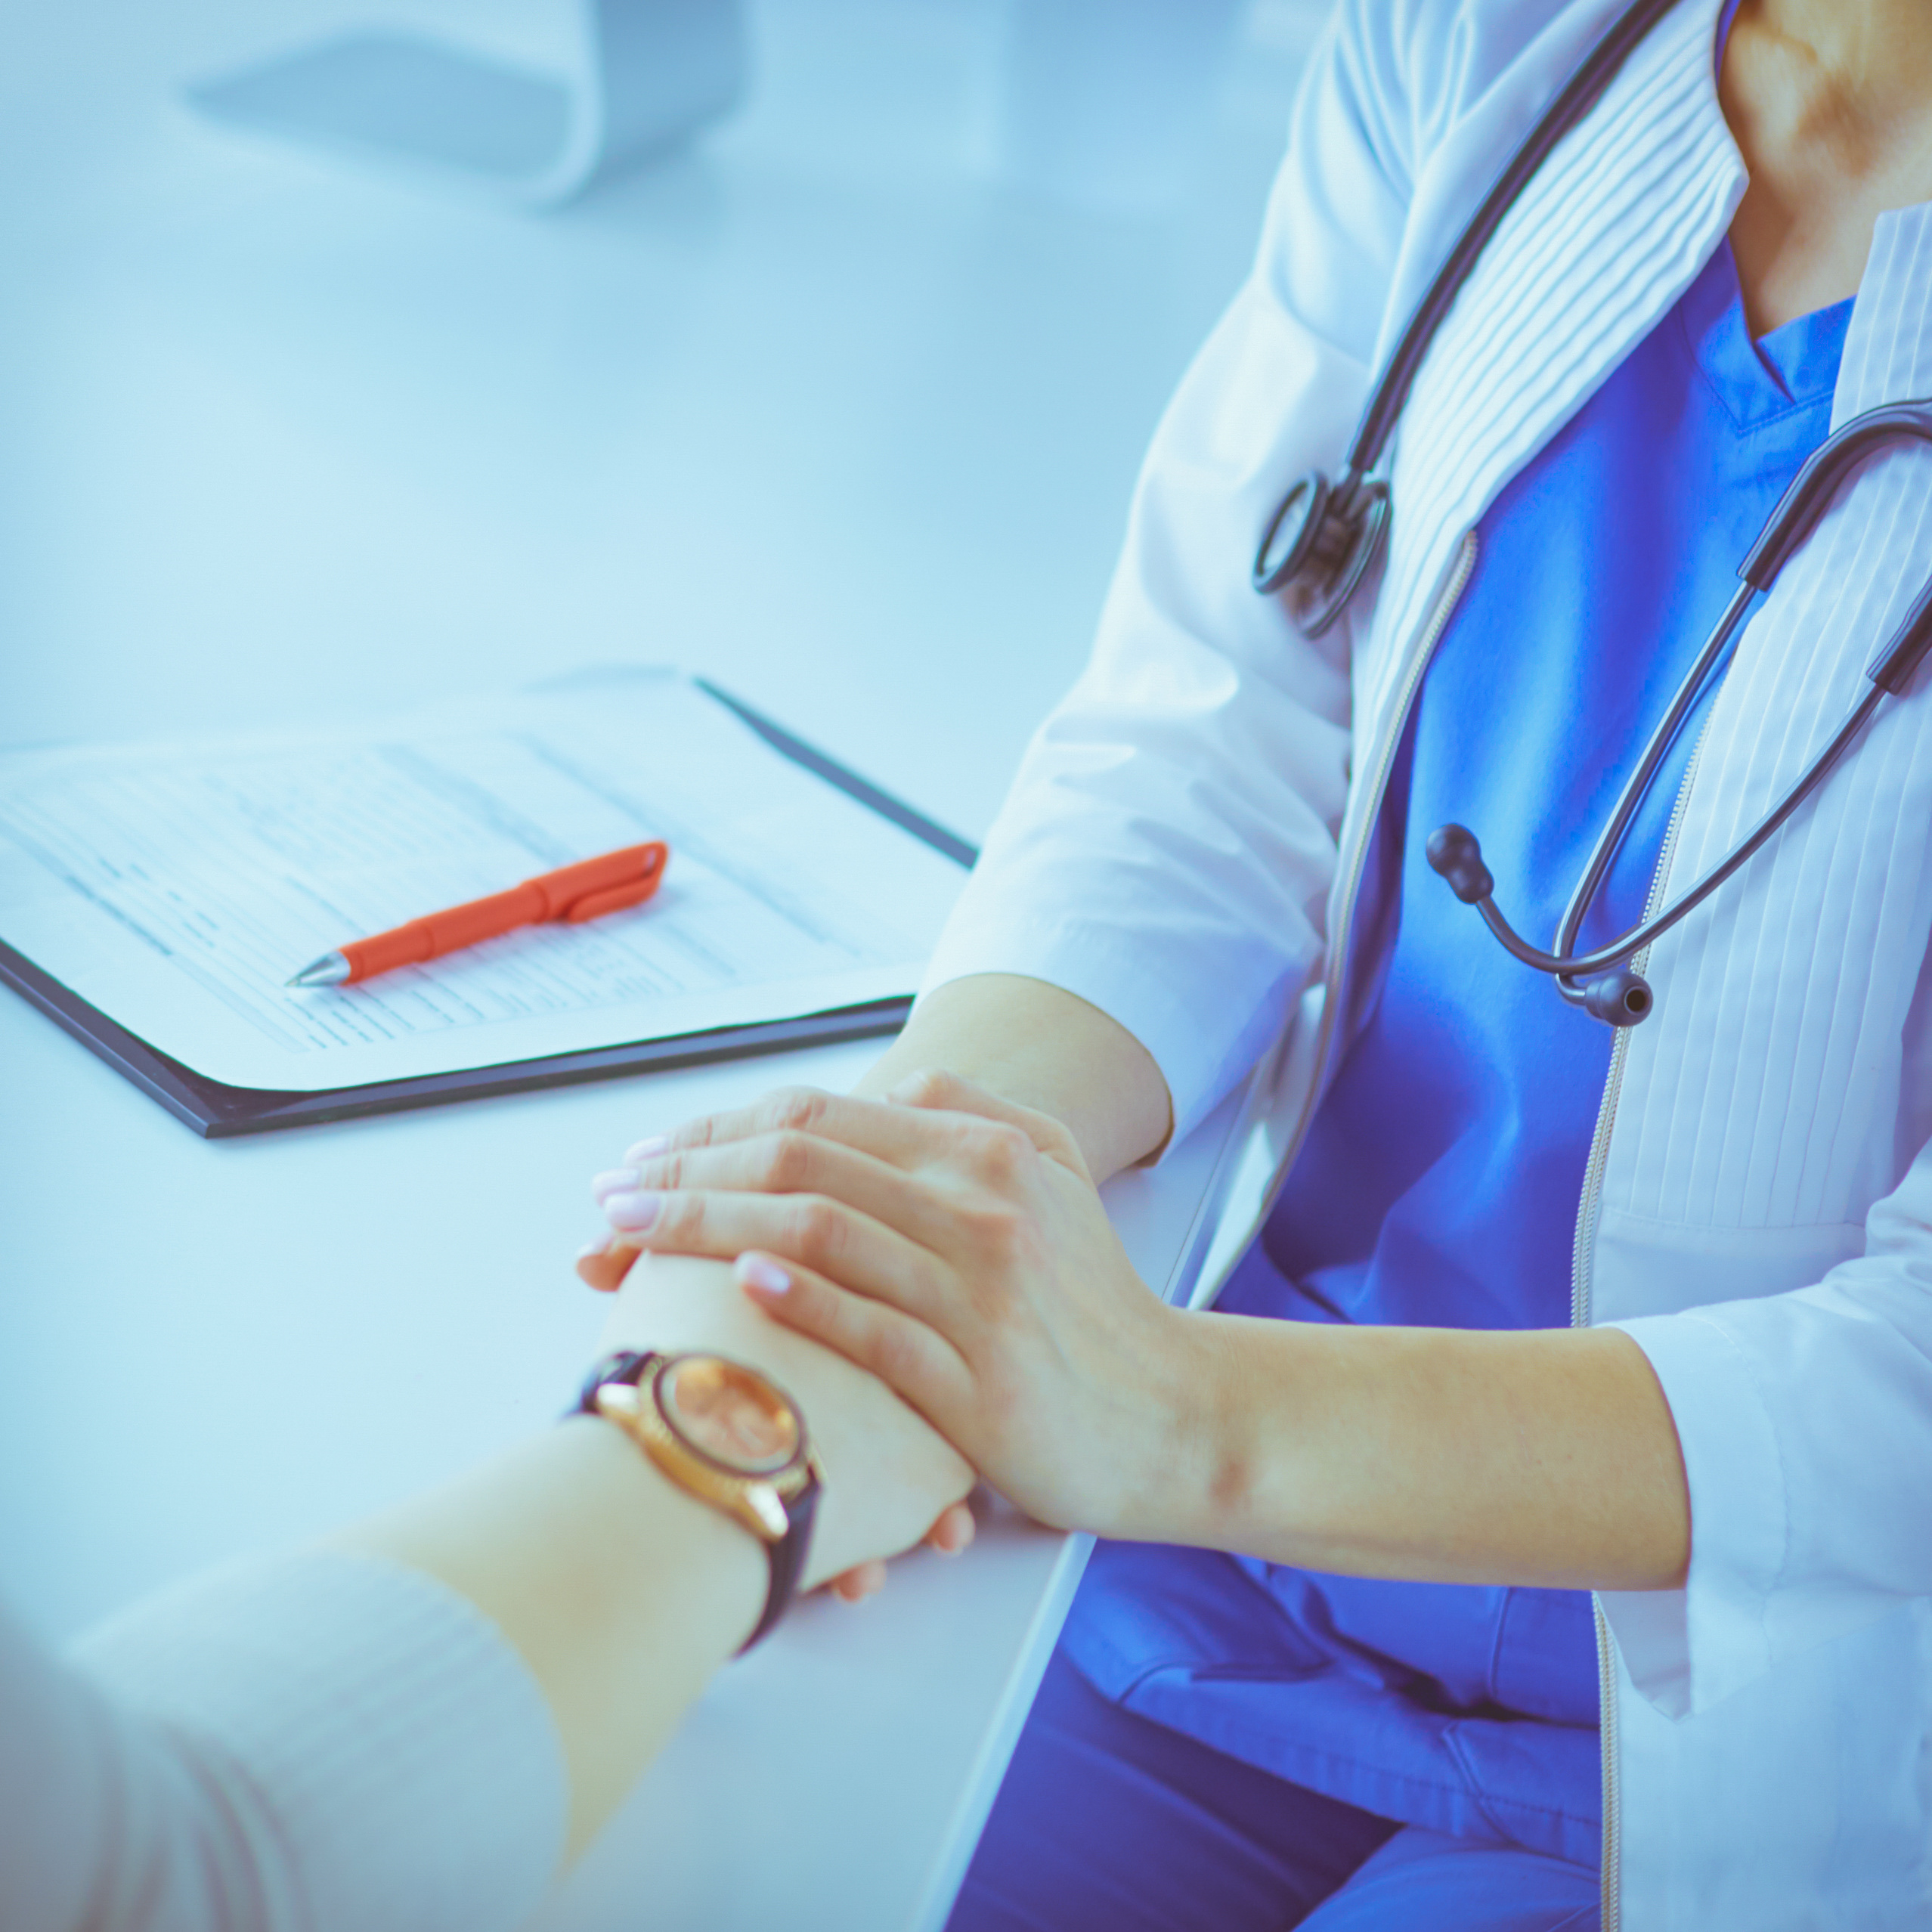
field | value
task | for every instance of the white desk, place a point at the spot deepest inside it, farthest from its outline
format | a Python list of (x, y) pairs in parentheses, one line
[(833, 410), (276, 1361)]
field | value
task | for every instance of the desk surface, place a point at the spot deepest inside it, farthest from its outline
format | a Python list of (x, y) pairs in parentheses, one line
[(841, 409), (279, 1365)]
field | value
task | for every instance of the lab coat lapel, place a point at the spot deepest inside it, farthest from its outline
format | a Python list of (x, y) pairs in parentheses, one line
[(1611, 231), (1761, 1112), (1763, 1094)]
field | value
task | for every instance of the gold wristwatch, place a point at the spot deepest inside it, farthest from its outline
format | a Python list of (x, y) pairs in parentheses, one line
[(733, 1437)]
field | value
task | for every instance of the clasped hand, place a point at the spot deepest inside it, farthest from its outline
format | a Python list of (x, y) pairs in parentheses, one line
[(954, 1245)]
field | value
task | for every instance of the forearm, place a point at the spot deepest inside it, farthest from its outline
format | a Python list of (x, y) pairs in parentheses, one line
[(1540, 1458), (622, 1594), (982, 1279), (1040, 1047)]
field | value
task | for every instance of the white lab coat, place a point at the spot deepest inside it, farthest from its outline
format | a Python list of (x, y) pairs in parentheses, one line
[(1183, 848)]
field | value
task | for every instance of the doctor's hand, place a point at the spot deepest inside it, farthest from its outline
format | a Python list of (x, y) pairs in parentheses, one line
[(955, 1245)]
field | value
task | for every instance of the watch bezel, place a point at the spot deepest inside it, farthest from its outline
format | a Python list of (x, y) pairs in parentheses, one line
[(760, 1499), (664, 1402), (778, 1506)]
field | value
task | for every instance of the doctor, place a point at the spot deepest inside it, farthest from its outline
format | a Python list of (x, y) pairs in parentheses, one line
[(1539, 1308)]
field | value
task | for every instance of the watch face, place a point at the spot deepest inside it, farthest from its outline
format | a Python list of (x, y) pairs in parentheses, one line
[(731, 1414)]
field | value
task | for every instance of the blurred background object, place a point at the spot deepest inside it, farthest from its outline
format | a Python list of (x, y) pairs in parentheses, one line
[(647, 74), (1102, 103), (840, 402), (1107, 102)]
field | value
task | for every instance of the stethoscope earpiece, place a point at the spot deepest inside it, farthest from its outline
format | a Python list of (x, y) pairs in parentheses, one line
[(1453, 854), (1619, 998), (1602, 981)]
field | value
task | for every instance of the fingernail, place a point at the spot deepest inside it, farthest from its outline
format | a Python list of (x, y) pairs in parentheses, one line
[(613, 1180), (591, 1250), (766, 1276), (649, 1148), (636, 1211)]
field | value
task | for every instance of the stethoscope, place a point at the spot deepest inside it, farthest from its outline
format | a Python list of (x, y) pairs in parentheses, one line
[(1324, 537)]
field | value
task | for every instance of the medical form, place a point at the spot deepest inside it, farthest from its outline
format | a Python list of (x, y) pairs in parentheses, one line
[(176, 886)]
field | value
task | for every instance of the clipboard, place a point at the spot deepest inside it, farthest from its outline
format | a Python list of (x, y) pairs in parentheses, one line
[(217, 1111)]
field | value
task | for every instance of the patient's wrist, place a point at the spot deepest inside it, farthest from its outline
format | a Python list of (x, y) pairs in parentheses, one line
[(886, 1474), (678, 1303), (685, 1545)]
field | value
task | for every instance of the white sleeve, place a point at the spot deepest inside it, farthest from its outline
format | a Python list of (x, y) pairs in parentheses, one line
[(1168, 845), (1806, 1423), (318, 1743)]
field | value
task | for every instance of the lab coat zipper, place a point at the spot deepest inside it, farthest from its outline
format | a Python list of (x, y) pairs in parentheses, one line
[(1581, 1255)]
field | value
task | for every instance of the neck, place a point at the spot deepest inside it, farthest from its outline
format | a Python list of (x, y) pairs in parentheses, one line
[(1862, 65), (1830, 102)]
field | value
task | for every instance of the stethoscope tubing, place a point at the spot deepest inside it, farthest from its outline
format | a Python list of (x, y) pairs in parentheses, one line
[(1567, 965), (1322, 539), (1579, 94), (1637, 786)]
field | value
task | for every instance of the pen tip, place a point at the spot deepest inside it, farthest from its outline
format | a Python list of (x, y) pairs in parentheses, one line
[(331, 969)]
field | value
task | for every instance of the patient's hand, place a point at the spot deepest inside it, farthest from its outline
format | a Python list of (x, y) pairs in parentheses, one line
[(888, 1474)]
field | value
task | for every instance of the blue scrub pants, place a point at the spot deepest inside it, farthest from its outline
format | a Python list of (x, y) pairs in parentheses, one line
[(1108, 1820)]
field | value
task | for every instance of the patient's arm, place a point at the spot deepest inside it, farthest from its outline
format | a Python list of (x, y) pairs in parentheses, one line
[(622, 1592), (410, 1725)]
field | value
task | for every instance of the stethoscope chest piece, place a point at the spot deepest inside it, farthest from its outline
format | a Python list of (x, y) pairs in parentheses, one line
[(1319, 544)]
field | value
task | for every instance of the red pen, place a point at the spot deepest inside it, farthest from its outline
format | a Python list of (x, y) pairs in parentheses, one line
[(586, 890)]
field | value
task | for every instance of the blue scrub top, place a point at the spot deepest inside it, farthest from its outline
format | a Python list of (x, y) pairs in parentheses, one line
[(1440, 1181)]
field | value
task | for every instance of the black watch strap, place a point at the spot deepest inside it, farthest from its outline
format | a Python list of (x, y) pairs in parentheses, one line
[(626, 1365), (786, 1557)]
